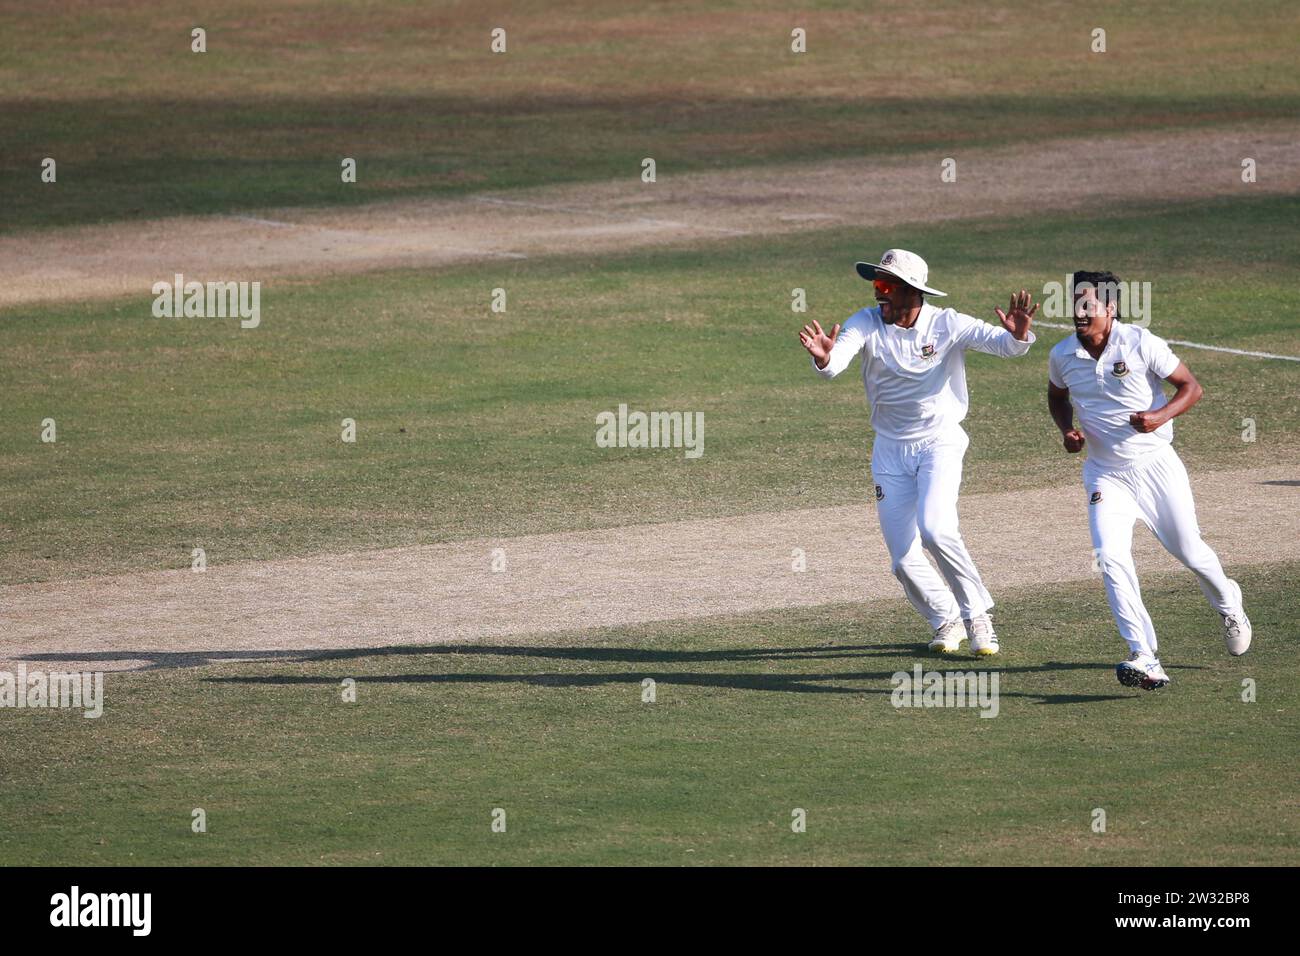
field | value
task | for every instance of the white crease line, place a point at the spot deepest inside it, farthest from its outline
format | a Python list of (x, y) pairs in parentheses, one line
[(264, 222), (606, 215), (1196, 345)]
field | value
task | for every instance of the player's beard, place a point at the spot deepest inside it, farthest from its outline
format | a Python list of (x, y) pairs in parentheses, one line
[(886, 311)]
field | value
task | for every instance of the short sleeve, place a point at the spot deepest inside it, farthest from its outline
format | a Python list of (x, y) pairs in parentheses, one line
[(1157, 354), (1054, 370)]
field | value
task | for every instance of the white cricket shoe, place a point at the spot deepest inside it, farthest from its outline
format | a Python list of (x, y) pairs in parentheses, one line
[(947, 638), (982, 639), (1141, 670), (1236, 633)]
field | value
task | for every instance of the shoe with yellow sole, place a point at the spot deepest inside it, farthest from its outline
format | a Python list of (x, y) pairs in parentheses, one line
[(982, 639), (947, 638)]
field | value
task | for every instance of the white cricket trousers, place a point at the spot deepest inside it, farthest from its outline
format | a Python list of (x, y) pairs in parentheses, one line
[(1155, 491), (917, 484)]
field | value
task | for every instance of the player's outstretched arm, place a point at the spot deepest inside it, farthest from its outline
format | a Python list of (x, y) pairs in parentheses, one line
[(831, 354), (1058, 403), (1188, 393), (817, 342), (1019, 316), (1011, 340)]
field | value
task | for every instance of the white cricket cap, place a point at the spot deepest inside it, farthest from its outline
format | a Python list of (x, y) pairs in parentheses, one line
[(900, 264)]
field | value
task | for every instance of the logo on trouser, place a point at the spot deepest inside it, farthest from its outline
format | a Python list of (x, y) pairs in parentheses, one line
[(880, 493), (1096, 497)]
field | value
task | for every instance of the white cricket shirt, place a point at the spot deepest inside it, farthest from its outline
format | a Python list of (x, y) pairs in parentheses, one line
[(1106, 391), (916, 378)]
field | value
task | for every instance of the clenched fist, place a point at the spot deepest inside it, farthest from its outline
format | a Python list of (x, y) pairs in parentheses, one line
[(1146, 421)]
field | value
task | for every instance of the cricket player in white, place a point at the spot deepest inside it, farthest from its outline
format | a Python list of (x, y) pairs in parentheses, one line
[(914, 369), (1111, 374)]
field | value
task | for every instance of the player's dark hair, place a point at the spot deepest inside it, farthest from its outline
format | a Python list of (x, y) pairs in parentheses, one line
[(1105, 284)]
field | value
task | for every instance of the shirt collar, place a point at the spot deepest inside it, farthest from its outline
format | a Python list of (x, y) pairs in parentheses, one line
[(923, 321)]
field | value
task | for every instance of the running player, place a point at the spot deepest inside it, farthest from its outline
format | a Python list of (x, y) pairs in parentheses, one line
[(914, 370), (1110, 374)]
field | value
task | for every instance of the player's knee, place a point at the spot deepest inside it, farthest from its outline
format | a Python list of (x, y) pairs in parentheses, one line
[(1113, 560), (1191, 550), (908, 565), (939, 535)]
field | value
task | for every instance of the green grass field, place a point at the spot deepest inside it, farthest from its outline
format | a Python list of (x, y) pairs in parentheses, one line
[(177, 433), (174, 434), (754, 716), (143, 127)]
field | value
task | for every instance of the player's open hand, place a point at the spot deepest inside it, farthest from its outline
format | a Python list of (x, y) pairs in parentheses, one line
[(818, 343), (1019, 314), (1146, 421), (1073, 441)]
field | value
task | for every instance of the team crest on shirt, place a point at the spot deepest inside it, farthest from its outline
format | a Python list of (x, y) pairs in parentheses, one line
[(880, 493), (927, 350), (1121, 369), (1096, 497)]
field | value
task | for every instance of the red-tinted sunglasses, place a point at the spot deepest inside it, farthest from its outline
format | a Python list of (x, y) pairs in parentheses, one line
[(885, 286)]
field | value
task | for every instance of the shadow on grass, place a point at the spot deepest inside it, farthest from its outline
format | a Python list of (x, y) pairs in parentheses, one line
[(834, 682), (786, 683)]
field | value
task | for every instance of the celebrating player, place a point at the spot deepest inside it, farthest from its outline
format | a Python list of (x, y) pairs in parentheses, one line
[(1110, 373), (914, 369)]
